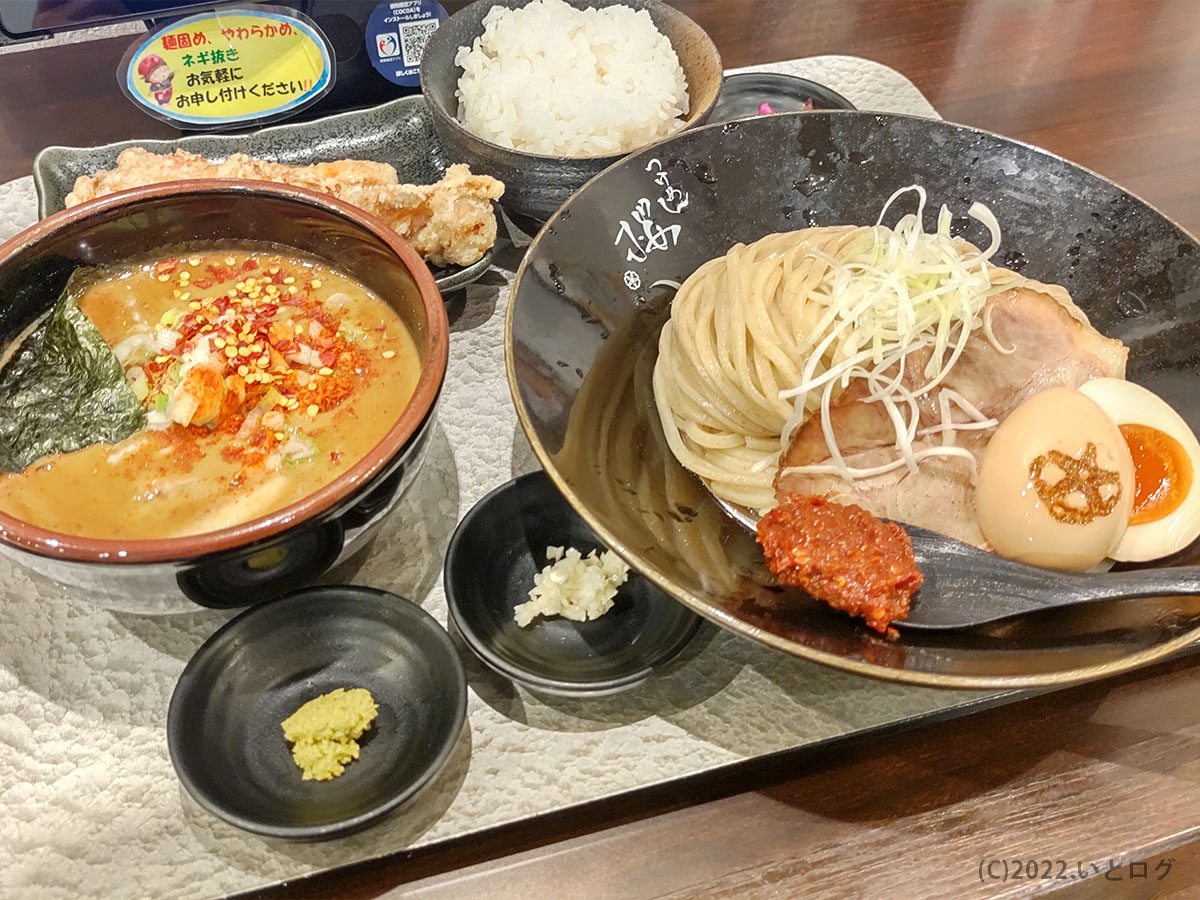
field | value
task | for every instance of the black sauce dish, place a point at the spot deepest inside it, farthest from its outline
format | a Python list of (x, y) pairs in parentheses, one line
[(289, 548), (493, 556), (223, 724), (744, 93)]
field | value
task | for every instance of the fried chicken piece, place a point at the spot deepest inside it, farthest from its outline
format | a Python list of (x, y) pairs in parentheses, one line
[(326, 177), (137, 167), (451, 222)]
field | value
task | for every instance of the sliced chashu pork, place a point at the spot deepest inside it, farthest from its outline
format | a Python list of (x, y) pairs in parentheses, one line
[(1053, 345)]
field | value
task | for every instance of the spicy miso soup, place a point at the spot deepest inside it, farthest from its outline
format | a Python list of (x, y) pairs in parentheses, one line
[(262, 377)]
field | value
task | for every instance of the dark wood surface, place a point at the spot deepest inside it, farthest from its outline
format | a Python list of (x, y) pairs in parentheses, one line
[(1096, 776), (1101, 776)]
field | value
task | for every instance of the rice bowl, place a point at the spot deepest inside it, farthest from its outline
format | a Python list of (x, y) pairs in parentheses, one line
[(552, 79), (536, 184)]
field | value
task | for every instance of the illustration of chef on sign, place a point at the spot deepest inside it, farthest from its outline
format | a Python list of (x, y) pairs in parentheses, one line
[(158, 76)]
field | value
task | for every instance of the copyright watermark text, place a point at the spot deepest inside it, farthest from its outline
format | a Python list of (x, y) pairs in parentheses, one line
[(1006, 869)]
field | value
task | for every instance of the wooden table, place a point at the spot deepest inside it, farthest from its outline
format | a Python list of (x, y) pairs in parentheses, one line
[(1097, 779)]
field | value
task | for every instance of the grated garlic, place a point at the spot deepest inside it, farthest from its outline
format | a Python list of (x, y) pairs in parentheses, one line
[(573, 586)]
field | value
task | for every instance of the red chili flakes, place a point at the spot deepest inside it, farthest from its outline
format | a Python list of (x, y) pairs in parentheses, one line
[(252, 333), (279, 334), (185, 447), (230, 424), (328, 392), (251, 453), (329, 321), (843, 555), (221, 272)]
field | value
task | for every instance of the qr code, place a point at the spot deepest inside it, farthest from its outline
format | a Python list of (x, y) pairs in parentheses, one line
[(413, 38)]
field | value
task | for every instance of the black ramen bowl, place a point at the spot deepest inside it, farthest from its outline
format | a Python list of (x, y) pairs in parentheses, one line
[(286, 549), (223, 726), (590, 298), (536, 184)]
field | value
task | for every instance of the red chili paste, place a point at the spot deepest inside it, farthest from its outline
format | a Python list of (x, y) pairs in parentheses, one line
[(843, 555)]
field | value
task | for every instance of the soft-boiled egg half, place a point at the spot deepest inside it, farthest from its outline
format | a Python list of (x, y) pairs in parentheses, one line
[(1056, 483), (1165, 516)]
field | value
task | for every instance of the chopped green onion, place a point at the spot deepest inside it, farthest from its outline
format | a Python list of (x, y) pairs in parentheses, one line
[(138, 383), (298, 448)]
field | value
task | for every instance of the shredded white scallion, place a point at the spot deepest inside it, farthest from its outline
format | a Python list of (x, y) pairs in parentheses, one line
[(157, 421), (990, 335), (138, 382), (298, 447), (139, 345), (166, 338), (892, 292)]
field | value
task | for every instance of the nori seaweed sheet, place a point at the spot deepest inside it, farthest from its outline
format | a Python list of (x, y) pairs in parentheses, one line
[(63, 389)]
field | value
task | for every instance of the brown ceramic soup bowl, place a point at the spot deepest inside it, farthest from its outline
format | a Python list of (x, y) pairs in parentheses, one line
[(271, 555)]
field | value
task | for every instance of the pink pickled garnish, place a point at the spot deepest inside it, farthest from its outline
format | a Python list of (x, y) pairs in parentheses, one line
[(764, 109)]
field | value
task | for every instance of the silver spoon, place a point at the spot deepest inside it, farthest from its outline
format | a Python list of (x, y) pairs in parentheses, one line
[(965, 586)]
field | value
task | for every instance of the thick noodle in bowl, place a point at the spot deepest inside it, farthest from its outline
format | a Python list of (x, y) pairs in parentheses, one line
[(596, 288), (264, 288), (763, 338)]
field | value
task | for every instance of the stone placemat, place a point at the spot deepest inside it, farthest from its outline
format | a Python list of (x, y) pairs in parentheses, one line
[(89, 803)]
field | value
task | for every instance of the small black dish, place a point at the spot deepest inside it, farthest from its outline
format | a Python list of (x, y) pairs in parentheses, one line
[(223, 726), (742, 94), (451, 278), (495, 552)]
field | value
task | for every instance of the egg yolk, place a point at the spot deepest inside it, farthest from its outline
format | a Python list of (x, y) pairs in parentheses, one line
[(1162, 473)]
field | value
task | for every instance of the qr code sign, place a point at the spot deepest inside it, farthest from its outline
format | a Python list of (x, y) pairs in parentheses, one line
[(413, 38)]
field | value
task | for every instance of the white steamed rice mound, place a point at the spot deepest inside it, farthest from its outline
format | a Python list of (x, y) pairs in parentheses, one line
[(559, 81)]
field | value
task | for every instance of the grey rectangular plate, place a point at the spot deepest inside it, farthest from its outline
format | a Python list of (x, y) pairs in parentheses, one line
[(399, 133)]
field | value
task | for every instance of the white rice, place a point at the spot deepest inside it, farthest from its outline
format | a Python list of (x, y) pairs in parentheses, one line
[(573, 586), (559, 81)]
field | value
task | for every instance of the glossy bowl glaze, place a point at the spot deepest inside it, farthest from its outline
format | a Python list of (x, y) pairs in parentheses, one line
[(588, 304), (534, 184), (286, 549)]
